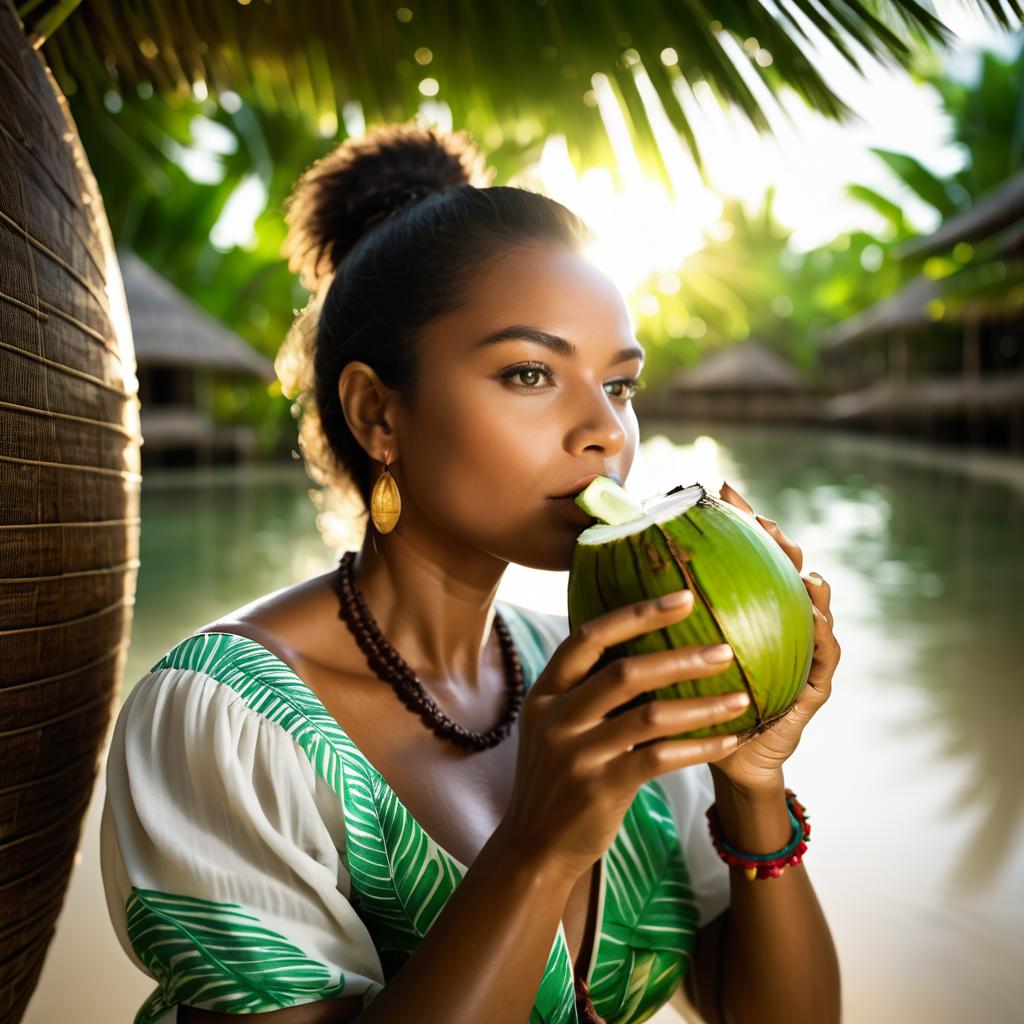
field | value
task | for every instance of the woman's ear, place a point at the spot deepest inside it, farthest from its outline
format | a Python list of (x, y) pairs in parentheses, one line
[(369, 409)]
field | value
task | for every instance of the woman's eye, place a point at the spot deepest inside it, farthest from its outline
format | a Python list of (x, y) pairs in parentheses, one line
[(529, 376), (534, 374), (631, 387)]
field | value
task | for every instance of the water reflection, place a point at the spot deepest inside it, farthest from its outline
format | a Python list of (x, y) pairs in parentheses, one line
[(914, 765), (941, 556), (911, 771)]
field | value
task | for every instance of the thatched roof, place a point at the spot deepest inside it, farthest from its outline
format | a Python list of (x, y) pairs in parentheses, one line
[(746, 366), (170, 329), (905, 310), (996, 210)]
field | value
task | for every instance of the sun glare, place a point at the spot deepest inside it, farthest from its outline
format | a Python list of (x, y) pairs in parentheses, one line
[(640, 229)]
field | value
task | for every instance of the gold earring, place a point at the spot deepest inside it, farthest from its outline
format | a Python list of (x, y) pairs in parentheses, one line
[(385, 501)]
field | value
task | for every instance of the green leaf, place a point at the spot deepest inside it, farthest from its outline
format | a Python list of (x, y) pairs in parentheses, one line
[(650, 918), (931, 188), (220, 958)]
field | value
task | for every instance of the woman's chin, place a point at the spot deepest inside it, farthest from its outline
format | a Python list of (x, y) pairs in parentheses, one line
[(556, 556)]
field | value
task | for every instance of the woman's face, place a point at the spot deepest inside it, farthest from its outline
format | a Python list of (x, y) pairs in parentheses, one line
[(522, 392)]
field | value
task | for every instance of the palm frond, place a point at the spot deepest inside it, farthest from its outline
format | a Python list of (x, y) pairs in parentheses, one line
[(526, 69)]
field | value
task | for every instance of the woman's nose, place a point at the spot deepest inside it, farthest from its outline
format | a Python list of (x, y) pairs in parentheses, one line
[(596, 424)]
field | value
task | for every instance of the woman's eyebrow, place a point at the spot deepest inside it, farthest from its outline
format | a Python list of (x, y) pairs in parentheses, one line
[(523, 332)]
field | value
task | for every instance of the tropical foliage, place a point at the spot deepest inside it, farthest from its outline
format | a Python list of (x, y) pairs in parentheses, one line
[(509, 72), (195, 149)]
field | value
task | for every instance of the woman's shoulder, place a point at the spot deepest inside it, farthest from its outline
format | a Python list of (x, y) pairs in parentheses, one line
[(228, 653), (236, 668), (228, 705)]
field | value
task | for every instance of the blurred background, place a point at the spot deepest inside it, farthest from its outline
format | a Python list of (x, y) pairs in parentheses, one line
[(815, 212)]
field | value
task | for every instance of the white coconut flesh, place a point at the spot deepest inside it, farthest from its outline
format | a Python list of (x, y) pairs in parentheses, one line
[(657, 509)]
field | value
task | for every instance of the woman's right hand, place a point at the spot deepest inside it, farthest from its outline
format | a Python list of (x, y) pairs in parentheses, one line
[(577, 771)]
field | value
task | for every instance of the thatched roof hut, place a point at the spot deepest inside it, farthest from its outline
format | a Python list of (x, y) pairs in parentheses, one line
[(742, 381), (170, 329), (178, 348), (746, 367), (997, 221), (905, 310), (943, 353), (1002, 207)]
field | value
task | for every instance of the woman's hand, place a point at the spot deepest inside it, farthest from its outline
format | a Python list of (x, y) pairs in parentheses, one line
[(758, 759), (583, 751)]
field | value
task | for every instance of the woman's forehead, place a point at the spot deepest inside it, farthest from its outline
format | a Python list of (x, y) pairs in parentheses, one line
[(553, 290)]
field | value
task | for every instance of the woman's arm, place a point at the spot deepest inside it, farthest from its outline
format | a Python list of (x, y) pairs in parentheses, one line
[(484, 957), (770, 957)]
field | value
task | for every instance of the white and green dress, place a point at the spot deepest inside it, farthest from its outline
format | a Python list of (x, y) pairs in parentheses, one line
[(254, 859)]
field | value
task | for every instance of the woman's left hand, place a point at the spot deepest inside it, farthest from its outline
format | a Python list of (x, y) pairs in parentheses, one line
[(757, 761)]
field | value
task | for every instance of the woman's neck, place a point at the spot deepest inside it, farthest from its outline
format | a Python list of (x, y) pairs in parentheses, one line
[(434, 605)]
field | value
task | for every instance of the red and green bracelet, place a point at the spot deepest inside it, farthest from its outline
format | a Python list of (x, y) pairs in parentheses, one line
[(765, 865)]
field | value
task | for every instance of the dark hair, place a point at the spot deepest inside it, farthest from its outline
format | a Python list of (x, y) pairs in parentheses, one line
[(389, 231)]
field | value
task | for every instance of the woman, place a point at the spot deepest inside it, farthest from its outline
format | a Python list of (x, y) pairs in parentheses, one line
[(553, 867)]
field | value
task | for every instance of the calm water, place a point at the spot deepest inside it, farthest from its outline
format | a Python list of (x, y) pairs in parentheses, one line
[(911, 772)]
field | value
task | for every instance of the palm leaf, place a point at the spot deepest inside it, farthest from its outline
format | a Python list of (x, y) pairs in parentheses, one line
[(891, 211), (523, 67), (929, 186), (220, 958), (404, 878), (556, 996), (650, 918)]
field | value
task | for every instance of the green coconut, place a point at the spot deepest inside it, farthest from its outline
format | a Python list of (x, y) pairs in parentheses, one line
[(747, 593)]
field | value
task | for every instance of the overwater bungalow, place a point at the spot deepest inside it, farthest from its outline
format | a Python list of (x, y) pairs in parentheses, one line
[(180, 349), (943, 356), (741, 381)]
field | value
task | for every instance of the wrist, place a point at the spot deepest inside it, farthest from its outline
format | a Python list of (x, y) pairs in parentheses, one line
[(766, 788), (533, 869), (753, 818)]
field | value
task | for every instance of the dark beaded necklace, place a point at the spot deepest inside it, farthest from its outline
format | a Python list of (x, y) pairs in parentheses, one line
[(390, 666)]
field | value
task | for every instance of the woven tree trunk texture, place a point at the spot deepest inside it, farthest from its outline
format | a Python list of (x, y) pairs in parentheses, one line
[(69, 501)]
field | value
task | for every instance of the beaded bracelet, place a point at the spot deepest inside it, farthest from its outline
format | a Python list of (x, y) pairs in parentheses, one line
[(765, 865)]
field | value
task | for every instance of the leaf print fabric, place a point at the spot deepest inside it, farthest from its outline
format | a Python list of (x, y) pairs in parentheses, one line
[(254, 859)]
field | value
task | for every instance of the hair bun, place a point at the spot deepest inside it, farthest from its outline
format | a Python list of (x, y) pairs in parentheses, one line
[(340, 196)]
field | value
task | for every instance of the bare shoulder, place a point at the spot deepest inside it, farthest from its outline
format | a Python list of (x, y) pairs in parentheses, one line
[(288, 622)]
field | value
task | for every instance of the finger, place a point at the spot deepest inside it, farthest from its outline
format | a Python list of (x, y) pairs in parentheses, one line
[(791, 549), (624, 679), (655, 759), (735, 498), (577, 654), (820, 593), (823, 663), (659, 718)]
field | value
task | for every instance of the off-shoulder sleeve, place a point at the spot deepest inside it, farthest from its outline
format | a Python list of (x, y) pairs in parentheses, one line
[(221, 853)]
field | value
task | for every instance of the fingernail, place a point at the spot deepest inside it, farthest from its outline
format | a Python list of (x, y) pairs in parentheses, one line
[(737, 700), (674, 600), (814, 578), (767, 522), (720, 652)]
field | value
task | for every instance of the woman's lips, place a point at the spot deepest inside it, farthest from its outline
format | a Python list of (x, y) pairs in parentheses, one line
[(568, 507), (573, 489), (584, 481)]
